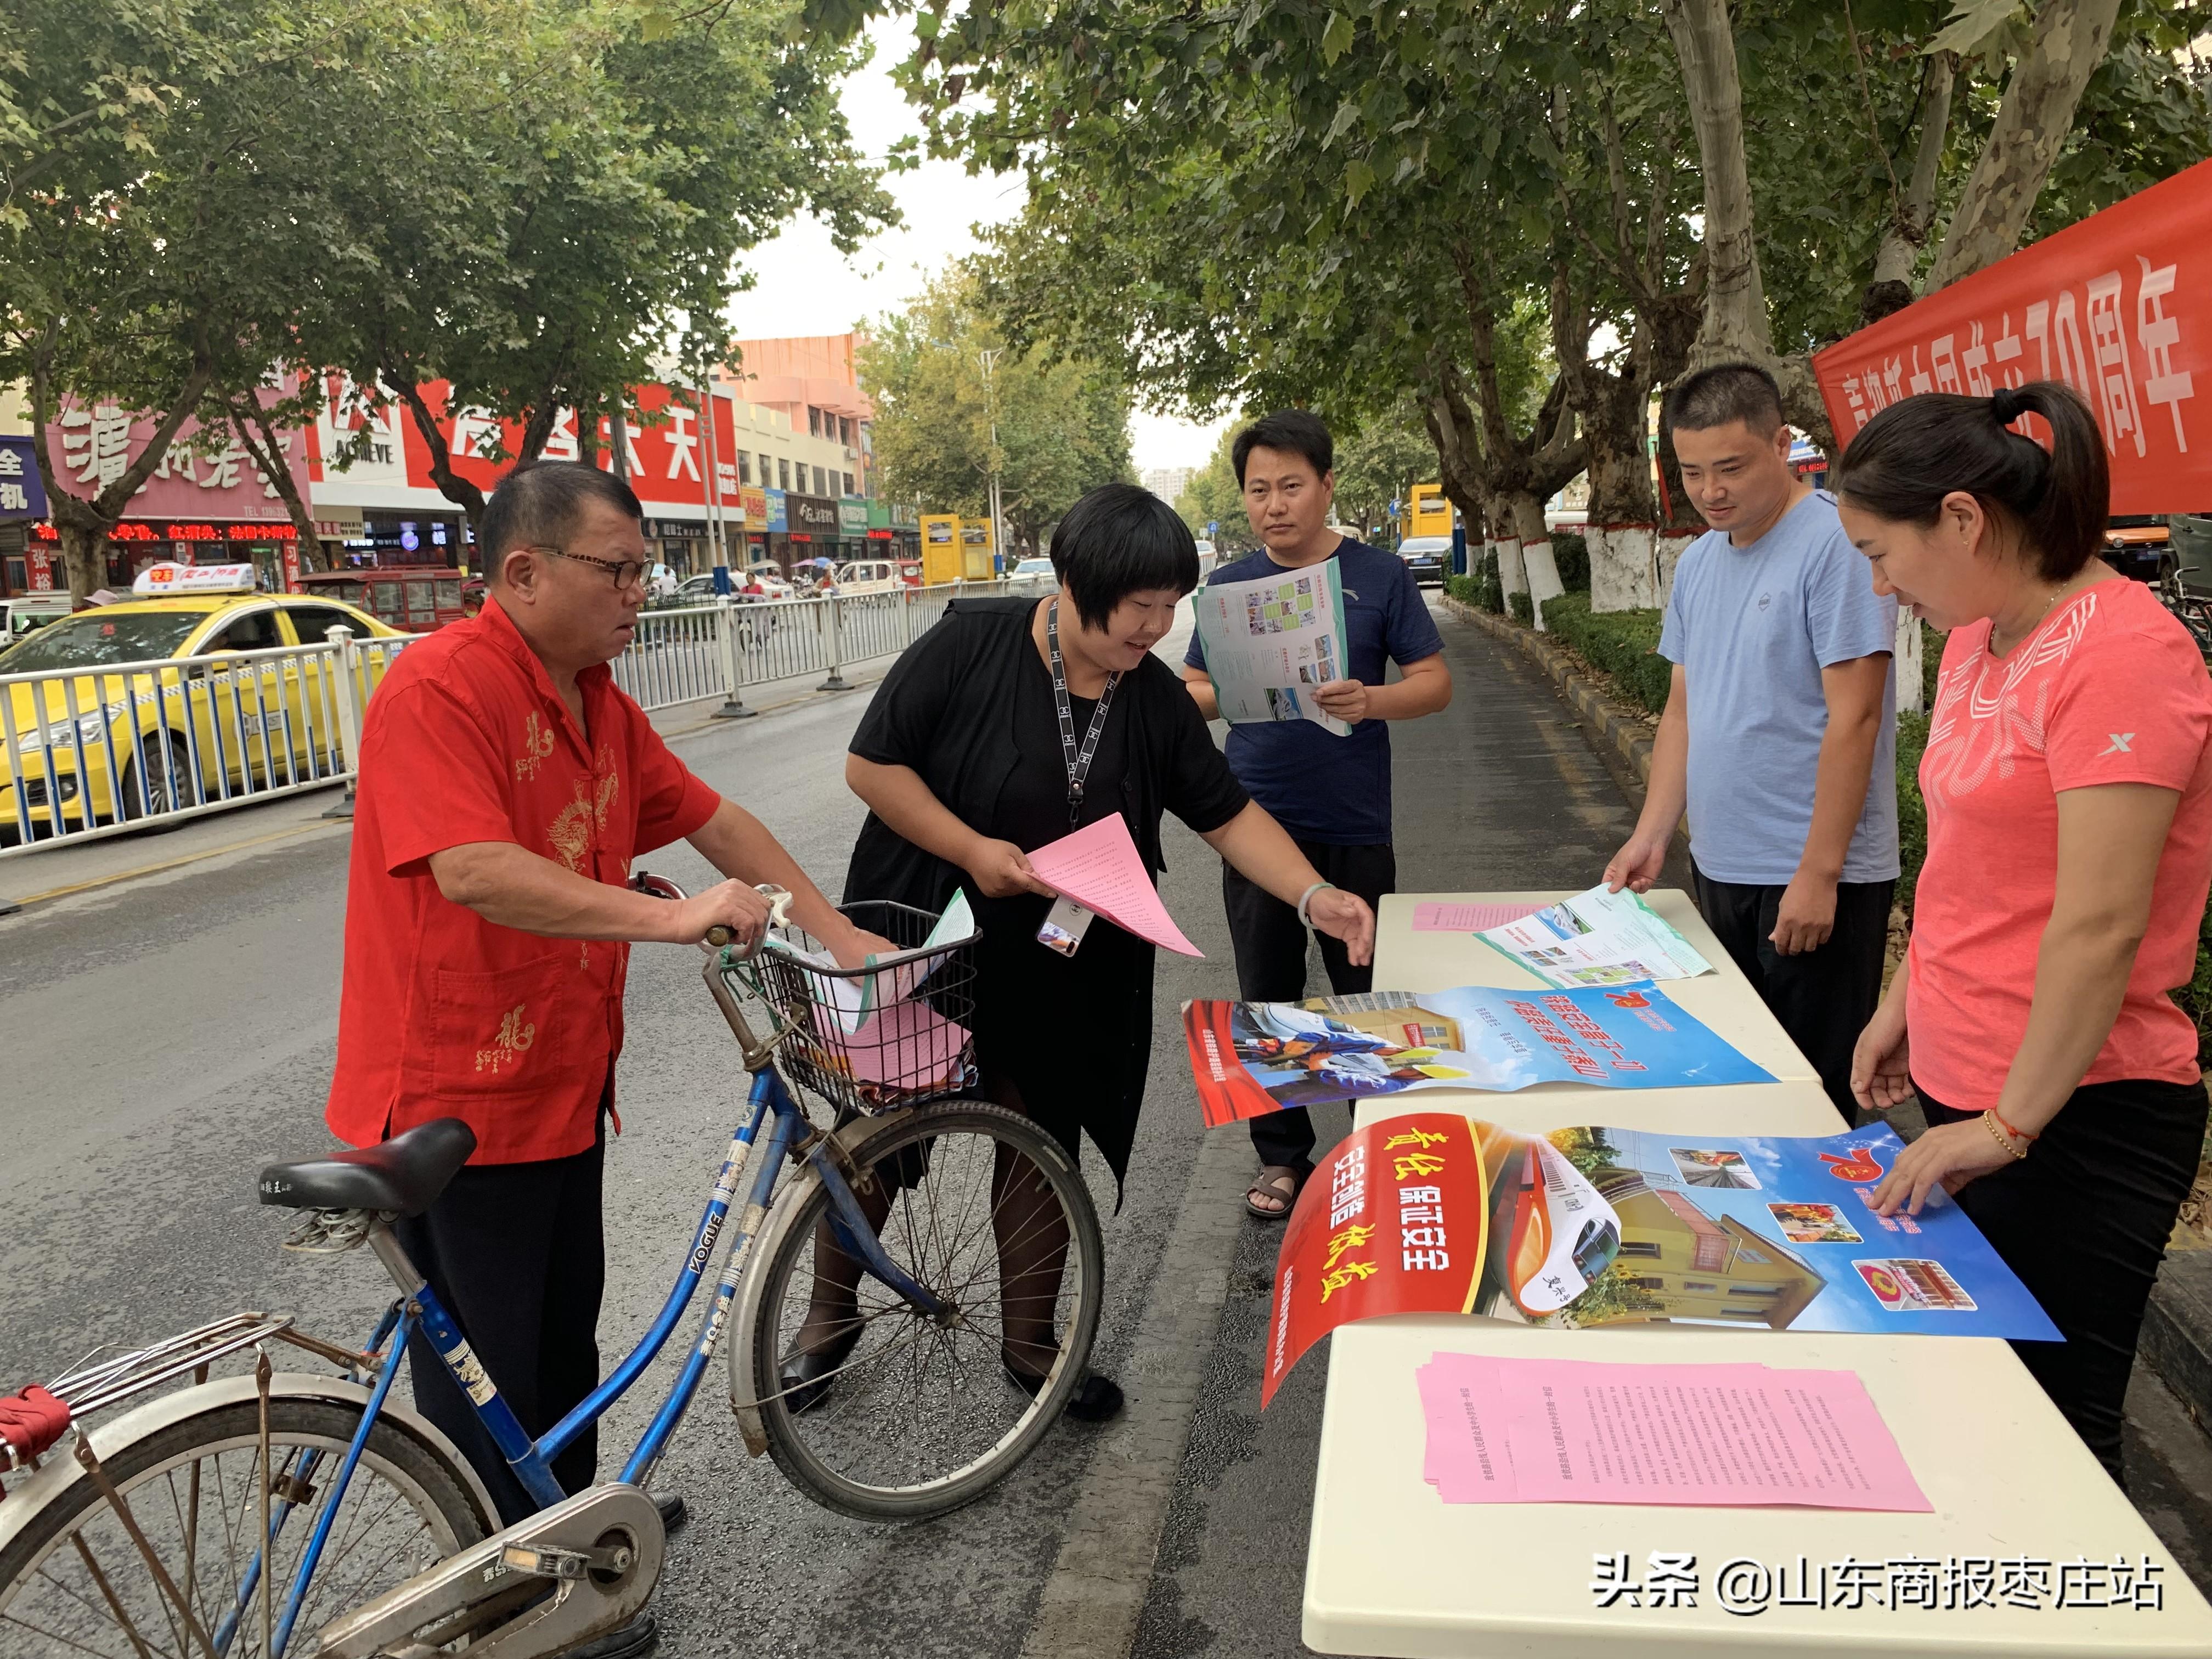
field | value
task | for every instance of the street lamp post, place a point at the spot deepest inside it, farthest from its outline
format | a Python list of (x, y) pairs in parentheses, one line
[(988, 359)]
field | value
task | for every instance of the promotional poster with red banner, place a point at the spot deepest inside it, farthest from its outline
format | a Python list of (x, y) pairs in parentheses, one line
[(1585, 1227), (2118, 305)]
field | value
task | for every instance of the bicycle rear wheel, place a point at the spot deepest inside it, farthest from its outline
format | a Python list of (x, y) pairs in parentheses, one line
[(921, 1416), (74, 1582)]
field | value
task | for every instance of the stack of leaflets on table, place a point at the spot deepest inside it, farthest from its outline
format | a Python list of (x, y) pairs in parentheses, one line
[(1270, 643), (1597, 939), (851, 995)]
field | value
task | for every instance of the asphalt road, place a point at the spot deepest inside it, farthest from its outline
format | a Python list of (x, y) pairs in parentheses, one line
[(169, 1035)]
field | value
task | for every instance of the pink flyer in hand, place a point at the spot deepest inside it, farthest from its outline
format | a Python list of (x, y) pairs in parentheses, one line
[(1437, 917), (1576, 1431), (1099, 867)]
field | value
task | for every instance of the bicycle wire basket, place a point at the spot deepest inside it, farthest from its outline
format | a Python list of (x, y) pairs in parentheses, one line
[(891, 1035)]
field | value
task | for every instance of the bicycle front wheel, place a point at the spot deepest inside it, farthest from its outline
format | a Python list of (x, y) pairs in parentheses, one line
[(74, 1581), (893, 1415)]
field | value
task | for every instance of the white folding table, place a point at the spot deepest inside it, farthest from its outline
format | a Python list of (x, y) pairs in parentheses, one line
[(1392, 1571)]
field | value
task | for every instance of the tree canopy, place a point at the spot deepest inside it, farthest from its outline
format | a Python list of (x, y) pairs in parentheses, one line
[(1062, 422)]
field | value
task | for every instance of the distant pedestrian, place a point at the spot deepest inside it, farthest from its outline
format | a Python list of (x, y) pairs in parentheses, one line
[(1008, 725), (2069, 783), (1332, 793), (1779, 733)]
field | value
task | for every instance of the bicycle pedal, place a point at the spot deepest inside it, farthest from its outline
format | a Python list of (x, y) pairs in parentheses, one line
[(330, 1232)]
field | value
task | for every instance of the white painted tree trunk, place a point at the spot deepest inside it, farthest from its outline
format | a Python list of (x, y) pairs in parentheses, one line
[(1909, 664), (1512, 575), (1672, 545), (1544, 581), (1625, 573)]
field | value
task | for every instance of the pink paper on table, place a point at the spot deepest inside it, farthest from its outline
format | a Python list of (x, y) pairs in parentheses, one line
[(908, 1045), (1589, 1432), (1099, 867), (1437, 917)]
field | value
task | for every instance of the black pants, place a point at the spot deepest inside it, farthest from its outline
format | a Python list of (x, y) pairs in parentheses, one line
[(2083, 1220), (518, 1254), (1271, 964), (1823, 998)]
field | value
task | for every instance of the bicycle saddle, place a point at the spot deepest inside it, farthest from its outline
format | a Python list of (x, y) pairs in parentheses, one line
[(404, 1174)]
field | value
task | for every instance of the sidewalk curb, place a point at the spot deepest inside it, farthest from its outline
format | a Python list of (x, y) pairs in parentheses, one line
[(2177, 1331), (1606, 722)]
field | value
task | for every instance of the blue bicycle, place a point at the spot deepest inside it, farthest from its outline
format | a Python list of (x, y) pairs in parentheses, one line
[(909, 1313)]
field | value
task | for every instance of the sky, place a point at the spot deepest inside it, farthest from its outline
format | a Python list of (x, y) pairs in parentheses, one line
[(804, 286)]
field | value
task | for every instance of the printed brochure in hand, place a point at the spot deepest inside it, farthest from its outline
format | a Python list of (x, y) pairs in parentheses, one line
[(1270, 643), (1580, 1228)]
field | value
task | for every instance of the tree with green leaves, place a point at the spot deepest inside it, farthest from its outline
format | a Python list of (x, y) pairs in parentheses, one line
[(1062, 424), (1378, 463)]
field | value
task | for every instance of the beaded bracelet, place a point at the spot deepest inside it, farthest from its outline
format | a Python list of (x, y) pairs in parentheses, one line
[(1998, 1134)]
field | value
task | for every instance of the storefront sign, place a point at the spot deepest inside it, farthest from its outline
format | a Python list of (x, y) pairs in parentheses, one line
[(21, 493), (812, 514), (199, 476), (675, 530), (852, 515), (2118, 305), (756, 507), (135, 529), (777, 516)]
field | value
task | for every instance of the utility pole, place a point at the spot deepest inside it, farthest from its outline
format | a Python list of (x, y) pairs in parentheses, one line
[(717, 538), (989, 358)]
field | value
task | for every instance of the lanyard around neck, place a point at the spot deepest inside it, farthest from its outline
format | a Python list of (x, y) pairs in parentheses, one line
[(1077, 760)]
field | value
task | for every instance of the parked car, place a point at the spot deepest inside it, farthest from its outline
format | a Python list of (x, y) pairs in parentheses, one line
[(25, 611), (1033, 576), (1427, 556), (115, 745), (866, 576)]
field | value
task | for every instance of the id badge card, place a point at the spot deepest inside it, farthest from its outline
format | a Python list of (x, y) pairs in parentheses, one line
[(1064, 925)]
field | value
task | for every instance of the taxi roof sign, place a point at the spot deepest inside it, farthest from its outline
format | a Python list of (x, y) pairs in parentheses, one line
[(161, 581)]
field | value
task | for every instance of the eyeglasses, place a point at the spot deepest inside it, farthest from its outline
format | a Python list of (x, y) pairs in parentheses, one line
[(626, 572)]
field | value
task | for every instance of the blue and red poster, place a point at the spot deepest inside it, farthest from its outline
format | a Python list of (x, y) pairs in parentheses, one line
[(1252, 1058)]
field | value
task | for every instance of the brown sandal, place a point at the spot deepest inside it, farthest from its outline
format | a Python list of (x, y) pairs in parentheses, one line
[(1280, 1181)]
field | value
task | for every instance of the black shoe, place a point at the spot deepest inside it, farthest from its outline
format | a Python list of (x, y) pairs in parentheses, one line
[(673, 1514), (1095, 1398), (640, 1636), (807, 1376)]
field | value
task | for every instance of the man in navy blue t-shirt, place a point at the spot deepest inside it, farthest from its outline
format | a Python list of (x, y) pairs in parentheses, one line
[(1332, 793)]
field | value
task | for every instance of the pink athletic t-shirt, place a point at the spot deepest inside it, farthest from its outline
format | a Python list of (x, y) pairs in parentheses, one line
[(2109, 688)]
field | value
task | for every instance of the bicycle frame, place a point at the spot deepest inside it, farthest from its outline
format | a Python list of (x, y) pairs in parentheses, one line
[(420, 1305)]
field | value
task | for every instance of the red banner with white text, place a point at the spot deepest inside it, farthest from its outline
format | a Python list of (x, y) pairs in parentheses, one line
[(2118, 305)]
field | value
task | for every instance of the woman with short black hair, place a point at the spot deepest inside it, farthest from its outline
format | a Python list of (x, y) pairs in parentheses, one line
[(2069, 783), (1010, 723)]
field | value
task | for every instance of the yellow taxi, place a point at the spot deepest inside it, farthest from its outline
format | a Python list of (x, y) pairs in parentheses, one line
[(244, 710)]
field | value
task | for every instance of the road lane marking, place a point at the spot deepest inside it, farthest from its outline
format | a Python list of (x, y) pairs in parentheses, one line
[(173, 864)]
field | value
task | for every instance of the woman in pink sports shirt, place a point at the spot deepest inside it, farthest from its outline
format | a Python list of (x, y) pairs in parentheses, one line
[(2068, 783)]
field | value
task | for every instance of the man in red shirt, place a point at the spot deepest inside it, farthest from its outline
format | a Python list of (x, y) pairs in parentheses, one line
[(506, 785)]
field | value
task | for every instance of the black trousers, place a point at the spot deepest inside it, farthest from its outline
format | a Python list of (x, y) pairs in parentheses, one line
[(518, 1254), (1823, 998), (2083, 1220), (1271, 962)]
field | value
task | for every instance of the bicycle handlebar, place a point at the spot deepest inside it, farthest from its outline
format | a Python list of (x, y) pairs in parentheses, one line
[(718, 937)]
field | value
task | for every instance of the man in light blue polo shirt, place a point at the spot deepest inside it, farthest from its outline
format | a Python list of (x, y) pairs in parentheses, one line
[(1780, 733)]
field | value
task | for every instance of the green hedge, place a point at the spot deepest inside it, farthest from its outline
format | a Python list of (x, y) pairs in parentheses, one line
[(1524, 608), (1622, 643), (1570, 552)]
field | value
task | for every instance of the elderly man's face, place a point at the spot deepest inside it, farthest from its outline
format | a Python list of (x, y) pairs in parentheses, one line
[(575, 612)]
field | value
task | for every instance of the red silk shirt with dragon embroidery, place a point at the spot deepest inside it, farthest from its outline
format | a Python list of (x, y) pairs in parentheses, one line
[(444, 1014)]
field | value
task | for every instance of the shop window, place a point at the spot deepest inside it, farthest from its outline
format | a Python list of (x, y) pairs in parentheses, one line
[(744, 467), (849, 490), (821, 481), (782, 473)]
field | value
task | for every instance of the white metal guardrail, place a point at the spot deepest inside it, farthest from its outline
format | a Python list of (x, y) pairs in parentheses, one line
[(94, 751), (90, 752), (718, 650)]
